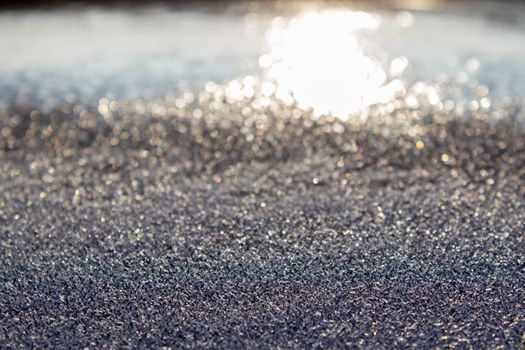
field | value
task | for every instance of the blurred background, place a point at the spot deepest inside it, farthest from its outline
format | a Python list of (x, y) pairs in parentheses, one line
[(333, 57)]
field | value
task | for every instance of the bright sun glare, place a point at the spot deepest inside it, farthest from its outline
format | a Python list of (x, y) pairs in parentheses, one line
[(317, 57)]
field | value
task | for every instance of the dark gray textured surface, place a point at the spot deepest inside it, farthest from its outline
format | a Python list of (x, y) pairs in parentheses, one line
[(262, 231)]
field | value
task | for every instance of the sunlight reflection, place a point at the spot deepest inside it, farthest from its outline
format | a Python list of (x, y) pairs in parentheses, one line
[(318, 59)]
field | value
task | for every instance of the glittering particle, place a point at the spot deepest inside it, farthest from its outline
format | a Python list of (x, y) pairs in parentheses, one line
[(265, 61), (472, 64), (398, 65)]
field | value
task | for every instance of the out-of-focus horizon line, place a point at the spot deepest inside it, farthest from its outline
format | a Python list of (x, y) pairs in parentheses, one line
[(60, 4)]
